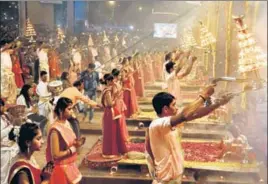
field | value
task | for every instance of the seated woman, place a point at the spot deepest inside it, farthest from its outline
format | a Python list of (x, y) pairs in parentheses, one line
[(31, 110), (9, 149), (24, 169), (62, 145)]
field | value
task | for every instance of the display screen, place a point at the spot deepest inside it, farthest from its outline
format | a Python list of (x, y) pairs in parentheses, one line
[(162, 30)]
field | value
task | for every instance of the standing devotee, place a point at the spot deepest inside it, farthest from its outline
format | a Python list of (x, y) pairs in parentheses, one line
[(65, 80), (113, 141), (172, 79), (44, 106), (75, 94), (8, 86), (76, 59), (25, 168), (16, 69), (117, 93), (62, 145), (98, 66), (165, 158), (54, 63), (9, 149), (91, 84), (42, 53), (149, 70), (138, 77), (130, 97), (72, 73)]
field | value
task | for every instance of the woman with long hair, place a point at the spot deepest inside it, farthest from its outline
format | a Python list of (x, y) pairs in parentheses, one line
[(113, 140), (62, 146), (117, 93), (65, 80), (130, 97), (32, 110), (25, 168)]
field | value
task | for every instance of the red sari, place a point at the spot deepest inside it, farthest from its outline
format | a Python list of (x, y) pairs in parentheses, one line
[(130, 97), (113, 143), (53, 62), (24, 164), (65, 170), (139, 82), (117, 93), (157, 67), (16, 69)]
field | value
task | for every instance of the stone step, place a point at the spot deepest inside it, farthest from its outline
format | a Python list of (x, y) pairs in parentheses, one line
[(184, 87), (198, 124), (186, 132), (124, 175)]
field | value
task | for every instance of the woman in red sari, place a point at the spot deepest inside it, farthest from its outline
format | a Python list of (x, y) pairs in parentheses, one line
[(16, 69), (113, 144), (62, 146), (130, 97), (24, 168), (117, 93), (138, 76)]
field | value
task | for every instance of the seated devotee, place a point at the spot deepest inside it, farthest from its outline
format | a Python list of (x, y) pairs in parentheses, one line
[(65, 80), (24, 168), (75, 94), (31, 110), (173, 76), (62, 145), (9, 149), (164, 152), (113, 137)]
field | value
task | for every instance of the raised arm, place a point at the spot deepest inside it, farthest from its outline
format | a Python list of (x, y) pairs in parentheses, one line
[(188, 69), (188, 111)]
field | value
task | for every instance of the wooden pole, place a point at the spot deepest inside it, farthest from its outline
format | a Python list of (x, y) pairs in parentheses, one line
[(206, 55), (214, 46), (228, 42)]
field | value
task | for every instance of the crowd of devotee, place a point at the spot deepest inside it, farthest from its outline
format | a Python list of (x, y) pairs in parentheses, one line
[(53, 103)]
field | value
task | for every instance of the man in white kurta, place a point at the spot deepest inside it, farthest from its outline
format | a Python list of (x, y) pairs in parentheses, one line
[(44, 106), (174, 75), (167, 150), (165, 155), (43, 60)]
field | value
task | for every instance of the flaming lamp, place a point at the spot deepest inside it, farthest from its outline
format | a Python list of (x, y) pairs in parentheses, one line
[(251, 57)]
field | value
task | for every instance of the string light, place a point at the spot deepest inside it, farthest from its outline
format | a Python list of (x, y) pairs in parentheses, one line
[(30, 32), (251, 57), (188, 40), (60, 35), (206, 37)]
